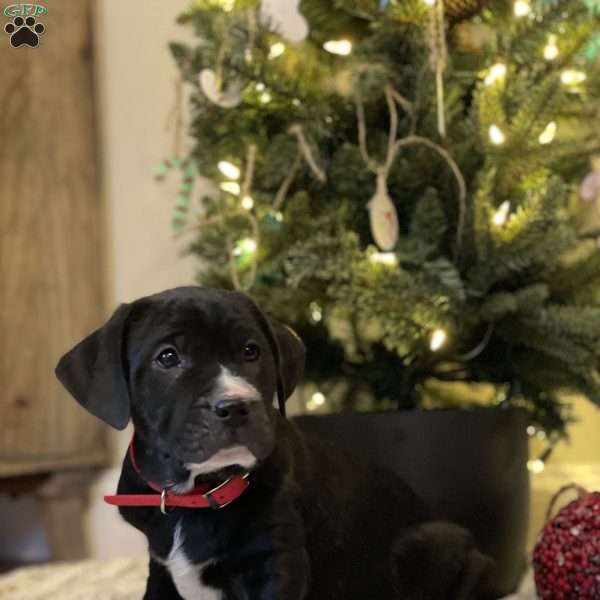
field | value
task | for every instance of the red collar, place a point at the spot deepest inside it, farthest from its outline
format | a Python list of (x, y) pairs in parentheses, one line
[(202, 496)]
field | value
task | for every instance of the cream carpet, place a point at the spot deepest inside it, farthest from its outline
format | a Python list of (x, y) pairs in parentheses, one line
[(122, 579)]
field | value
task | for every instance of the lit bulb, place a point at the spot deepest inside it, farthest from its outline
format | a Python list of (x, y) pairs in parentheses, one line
[(318, 399), (265, 97), (522, 8), (231, 187), (501, 214), (245, 246), (384, 258), (548, 134), (496, 135), (572, 77), (438, 339), (496, 72), (341, 47), (430, 2), (530, 430), (229, 170), (316, 312), (279, 216), (551, 49), (540, 435), (276, 50), (536, 466), (296, 102), (260, 86), (247, 203)]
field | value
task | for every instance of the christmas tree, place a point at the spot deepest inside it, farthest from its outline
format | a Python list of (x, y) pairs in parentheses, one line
[(403, 187)]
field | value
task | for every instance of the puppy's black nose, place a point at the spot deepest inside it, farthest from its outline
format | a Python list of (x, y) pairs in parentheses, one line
[(232, 411)]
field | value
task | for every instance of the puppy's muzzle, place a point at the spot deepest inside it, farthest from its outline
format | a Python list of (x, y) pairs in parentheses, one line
[(233, 412)]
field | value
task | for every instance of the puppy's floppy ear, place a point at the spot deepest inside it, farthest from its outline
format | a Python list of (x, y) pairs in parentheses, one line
[(94, 371)]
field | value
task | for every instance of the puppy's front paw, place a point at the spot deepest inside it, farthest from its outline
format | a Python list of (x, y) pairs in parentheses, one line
[(439, 561)]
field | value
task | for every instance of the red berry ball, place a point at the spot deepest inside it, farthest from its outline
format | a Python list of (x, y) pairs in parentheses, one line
[(566, 558)]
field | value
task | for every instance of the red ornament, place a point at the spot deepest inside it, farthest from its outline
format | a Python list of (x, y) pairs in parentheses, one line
[(566, 558)]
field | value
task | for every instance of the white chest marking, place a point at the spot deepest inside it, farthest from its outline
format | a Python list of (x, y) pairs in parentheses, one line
[(186, 575)]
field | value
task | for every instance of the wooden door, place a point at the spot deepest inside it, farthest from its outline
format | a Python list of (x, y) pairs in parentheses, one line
[(50, 226)]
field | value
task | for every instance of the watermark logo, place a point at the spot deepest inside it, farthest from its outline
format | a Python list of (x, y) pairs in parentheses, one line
[(25, 29)]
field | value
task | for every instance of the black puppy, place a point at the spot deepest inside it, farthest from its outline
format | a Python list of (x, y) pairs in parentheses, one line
[(198, 370)]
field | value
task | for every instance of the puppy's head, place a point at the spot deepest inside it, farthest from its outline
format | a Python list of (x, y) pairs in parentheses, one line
[(197, 370)]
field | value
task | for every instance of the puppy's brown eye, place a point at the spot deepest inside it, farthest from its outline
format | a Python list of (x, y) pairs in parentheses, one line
[(168, 358), (251, 351)]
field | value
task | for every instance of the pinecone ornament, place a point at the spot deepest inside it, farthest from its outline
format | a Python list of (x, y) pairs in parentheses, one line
[(458, 10), (566, 558)]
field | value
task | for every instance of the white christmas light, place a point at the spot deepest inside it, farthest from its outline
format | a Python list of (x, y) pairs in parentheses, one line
[(229, 170), (530, 430), (497, 137), (341, 47), (384, 258), (318, 399), (227, 5), (279, 216), (276, 50), (247, 203), (245, 246), (521, 8), (496, 72), (551, 49), (231, 187), (316, 312), (536, 466), (265, 97), (501, 214), (572, 77), (540, 435), (548, 134), (438, 339), (260, 86), (430, 2)]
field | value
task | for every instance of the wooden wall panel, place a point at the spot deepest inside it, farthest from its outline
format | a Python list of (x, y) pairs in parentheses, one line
[(50, 224)]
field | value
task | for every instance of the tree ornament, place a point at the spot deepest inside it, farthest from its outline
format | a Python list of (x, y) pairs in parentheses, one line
[(566, 558), (383, 216), (213, 89), (459, 10)]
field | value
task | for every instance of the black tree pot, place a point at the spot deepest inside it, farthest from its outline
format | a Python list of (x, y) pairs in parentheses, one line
[(469, 465)]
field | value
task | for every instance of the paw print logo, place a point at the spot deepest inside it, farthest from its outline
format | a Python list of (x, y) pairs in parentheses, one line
[(24, 32)]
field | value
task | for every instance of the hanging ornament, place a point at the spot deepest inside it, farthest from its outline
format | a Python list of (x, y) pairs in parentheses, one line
[(213, 89), (588, 210), (284, 17), (436, 38), (566, 558), (383, 216)]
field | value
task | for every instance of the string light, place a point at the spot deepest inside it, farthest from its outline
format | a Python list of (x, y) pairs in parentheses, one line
[(229, 170), (530, 430), (276, 50), (340, 47), (316, 401), (438, 339), (521, 8), (501, 214), (231, 187), (384, 258), (278, 216), (536, 466), (540, 435), (265, 97), (497, 137), (551, 49), (247, 203), (245, 246), (260, 86), (572, 77), (227, 5), (548, 134), (316, 312), (496, 72), (430, 2)]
